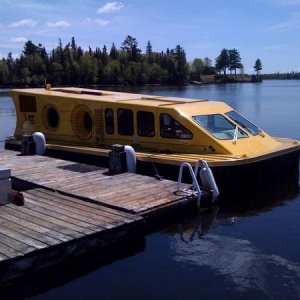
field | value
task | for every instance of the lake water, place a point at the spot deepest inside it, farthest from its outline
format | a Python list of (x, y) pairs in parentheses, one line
[(242, 255)]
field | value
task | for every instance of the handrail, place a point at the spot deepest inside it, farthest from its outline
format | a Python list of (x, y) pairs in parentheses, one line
[(200, 163), (195, 182)]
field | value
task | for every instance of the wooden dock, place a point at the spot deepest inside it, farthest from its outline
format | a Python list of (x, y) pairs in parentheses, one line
[(70, 207)]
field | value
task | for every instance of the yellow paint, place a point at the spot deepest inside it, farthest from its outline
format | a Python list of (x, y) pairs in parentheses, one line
[(79, 108)]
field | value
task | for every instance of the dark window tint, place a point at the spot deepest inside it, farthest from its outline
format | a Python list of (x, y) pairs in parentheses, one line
[(109, 121), (53, 117), (88, 121), (145, 123), (27, 103), (250, 127), (125, 122), (170, 128)]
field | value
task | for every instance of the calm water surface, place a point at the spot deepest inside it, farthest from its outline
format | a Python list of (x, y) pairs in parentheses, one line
[(241, 255)]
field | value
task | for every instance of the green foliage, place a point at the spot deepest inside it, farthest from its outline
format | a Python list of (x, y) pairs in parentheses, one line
[(197, 68), (4, 72), (222, 61), (258, 66), (228, 59), (71, 65)]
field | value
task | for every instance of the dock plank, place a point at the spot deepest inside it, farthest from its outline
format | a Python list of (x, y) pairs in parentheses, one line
[(101, 211), (30, 223), (10, 232), (119, 191), (15, 244), (70, 206), (9, 252), (79, 211), (37, 235)]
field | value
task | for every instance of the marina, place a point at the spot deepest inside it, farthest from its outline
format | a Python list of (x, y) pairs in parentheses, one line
[(69, 207), (251, 250)]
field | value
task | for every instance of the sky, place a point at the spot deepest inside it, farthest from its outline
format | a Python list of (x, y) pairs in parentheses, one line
[(264, 29)]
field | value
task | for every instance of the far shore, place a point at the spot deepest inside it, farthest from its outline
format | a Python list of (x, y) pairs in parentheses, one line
[(205, 80)]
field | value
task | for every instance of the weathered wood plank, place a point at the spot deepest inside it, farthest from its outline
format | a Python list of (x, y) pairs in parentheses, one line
[(54, 218), (27, 222), (37, 235), (96, 208), (38, 219), (73, 205), (9, 232), (83, 211), (9, 252), (118, 191), (85, 220), (15, 244)]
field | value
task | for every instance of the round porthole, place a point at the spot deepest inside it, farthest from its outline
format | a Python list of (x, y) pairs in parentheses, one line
[(82, 122), (50, 117)]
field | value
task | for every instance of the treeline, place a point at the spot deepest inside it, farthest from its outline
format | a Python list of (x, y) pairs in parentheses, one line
[(282, 76), (70, 65)]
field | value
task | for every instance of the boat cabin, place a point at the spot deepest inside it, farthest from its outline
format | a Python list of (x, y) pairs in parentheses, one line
[(96, 118)]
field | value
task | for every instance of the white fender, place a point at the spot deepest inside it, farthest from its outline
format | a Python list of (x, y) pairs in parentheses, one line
[(40, 143), (208, 180), (130, 159)]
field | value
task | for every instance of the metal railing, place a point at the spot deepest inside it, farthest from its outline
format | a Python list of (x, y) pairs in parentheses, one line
[(206, 177), (195, 182)]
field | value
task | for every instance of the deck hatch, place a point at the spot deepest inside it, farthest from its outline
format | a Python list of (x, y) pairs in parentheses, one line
[(81, 168)]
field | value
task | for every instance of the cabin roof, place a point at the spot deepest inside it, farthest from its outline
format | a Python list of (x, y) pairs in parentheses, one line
[(184, 104)]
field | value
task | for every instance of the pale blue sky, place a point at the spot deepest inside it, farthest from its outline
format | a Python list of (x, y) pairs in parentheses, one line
[(265, 29)]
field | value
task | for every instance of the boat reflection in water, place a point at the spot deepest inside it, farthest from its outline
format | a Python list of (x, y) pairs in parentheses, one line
[(226, 211), (220, 241), (202, 224)]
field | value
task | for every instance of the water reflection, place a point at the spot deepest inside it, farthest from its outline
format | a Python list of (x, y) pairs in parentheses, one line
[(7, 117), (203, 241), (202, 224), (70, 269), (242, 264)]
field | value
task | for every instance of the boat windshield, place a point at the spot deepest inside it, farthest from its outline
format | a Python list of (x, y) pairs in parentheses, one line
[(244, 123), (219, 127)]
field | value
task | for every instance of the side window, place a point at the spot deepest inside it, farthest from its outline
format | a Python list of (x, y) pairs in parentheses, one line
[(145, 123), (27, 103), (109, 121), (170, 128), (125, 122)]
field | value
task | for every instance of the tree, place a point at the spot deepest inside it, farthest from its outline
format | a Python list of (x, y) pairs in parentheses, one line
[(30, 48), (4, 73), (112, 72), (149, 53), (179, 57), (104, 55), (197, 68), (88, 69), (113, 52), (222, 61), (208, 68), (70, 65), (130, 46), (234, 61), (258, 66), (148, 48)]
